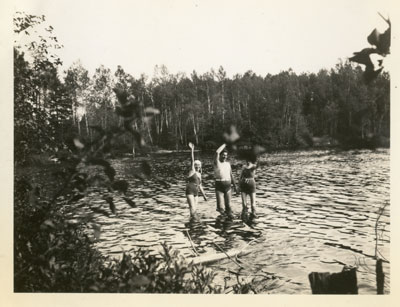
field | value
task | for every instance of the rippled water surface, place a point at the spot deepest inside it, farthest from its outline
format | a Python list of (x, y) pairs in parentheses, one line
[(317, 210)]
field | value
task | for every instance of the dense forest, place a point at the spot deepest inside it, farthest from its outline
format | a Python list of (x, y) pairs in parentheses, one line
[(285, 110), (61, 112)]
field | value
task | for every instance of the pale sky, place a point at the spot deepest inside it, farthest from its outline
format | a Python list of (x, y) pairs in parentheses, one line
[(186, 35), (264, 36)]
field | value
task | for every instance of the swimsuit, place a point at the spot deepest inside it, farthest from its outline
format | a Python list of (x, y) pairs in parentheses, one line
[(223, 186), (192, 186), (248, 187)]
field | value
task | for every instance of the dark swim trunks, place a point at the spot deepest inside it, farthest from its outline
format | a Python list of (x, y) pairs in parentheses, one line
[(249, 187), (223, 186)]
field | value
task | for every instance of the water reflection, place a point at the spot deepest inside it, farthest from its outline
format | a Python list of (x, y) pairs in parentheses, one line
[(195, 229), (315, 210)]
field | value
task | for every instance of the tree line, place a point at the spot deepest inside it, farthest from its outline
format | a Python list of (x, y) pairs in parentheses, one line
[(284, 110)]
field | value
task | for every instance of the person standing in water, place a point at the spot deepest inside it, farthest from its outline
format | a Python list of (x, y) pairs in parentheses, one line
[(193, 185), (247, 187), (223, 181)]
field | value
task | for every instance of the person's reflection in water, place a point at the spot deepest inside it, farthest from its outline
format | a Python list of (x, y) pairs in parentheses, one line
[(223, 223), (233, 231), (195, 228), (248, 219)]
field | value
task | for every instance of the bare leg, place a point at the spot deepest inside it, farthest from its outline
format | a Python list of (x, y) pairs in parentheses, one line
[(227, 199), (244, 200), (192, 204), (220, 198), (253, 204), (244, 205)]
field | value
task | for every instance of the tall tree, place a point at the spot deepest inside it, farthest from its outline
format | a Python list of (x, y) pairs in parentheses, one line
[(77, 84), (41, 108)]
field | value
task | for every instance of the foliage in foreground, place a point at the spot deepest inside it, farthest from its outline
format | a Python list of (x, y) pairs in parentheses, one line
[(56, 255)]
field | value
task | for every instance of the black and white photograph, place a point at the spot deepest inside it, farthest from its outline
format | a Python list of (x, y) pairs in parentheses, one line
[(202, 147)]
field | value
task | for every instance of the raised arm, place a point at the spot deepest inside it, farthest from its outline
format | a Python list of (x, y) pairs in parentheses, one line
[(191, 155), (218, 152)]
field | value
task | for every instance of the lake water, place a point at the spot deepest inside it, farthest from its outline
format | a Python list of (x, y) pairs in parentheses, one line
[(316, 211)]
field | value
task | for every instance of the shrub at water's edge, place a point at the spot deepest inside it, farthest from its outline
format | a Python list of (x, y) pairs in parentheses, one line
[(55, 254), (81, 121)]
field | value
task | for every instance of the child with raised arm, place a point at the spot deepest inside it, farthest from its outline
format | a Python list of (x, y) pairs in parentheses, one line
[(193, 185)]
